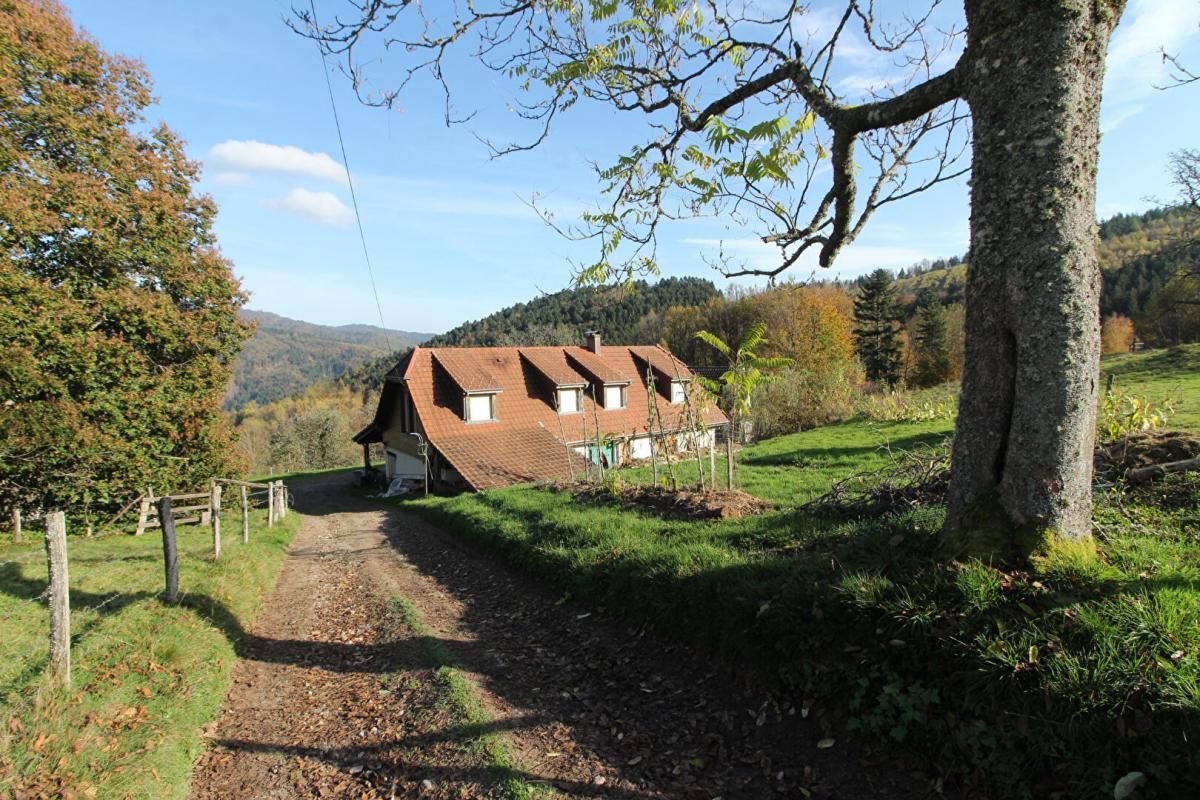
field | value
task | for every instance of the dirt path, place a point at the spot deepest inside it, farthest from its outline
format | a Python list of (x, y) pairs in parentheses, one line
[(326, 702)]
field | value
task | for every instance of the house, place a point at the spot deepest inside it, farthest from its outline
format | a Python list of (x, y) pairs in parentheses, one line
[(483, 417)]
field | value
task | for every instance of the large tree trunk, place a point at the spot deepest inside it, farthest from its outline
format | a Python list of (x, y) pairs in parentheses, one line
[(1022, 462)]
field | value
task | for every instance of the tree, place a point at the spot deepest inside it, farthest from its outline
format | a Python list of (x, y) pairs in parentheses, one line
[(932, 348), (1117, 335), (746, 372), (876, 314), (743, 117), (119, 314)]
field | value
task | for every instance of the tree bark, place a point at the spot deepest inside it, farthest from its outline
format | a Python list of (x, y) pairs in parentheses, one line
[(1022, 459)]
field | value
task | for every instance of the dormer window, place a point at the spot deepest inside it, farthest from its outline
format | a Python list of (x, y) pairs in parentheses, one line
[(616, 397), (678, 392), (480, 407), (570, 400)]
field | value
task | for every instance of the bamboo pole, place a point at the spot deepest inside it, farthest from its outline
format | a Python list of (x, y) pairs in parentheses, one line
[(245, 516), (599, 435), (562, 432), (650, 426), (729, 454), (60, 598)]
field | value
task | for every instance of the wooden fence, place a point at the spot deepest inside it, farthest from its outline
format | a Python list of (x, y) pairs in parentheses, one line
[(202, 508)]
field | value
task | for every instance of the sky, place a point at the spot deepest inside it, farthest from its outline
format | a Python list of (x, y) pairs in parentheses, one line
[(450, 231)]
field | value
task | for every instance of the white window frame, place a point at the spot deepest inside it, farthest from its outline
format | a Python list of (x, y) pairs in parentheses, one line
[(682, 392), (575, 390), (491, 396), (622, 396)]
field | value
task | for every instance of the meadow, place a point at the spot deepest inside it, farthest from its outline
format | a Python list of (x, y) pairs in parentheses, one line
[(1063, 675), (147, 677)]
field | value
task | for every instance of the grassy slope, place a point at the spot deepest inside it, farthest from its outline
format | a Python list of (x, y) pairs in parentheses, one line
[(1063, 677), (147, 677), (1157, 374)]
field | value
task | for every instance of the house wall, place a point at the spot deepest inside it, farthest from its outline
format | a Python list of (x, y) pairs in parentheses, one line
[(707, 439), (639, 448), (404, 465)]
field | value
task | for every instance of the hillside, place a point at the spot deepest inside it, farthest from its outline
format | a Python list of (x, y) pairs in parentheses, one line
[(624, 314), (562, 317), (1135, 256), (285, 356)]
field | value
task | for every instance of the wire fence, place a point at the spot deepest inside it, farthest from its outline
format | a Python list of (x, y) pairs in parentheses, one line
[(273, 497)]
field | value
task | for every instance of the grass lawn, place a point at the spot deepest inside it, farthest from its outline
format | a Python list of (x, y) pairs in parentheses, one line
[(147, 677), (1062, 676)]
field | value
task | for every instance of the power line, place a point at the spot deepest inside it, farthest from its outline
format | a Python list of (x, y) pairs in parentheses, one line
[(362, 237)]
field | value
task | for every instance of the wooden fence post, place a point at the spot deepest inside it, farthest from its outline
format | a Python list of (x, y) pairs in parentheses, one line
[(214, 503), (283, 500), (143, 512), (16, 520), (60, 598), (166, 521), (270, 505), (245, 516)]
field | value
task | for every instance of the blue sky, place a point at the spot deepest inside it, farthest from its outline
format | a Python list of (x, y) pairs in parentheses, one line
[(450, 231)]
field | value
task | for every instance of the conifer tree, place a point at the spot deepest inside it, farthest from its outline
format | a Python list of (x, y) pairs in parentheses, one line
[(931, 345), (876, 315)]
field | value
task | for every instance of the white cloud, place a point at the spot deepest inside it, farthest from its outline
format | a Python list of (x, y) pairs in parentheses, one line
[(1149, 26), (251, 156), (323, 207), (231, 178), (1110, 122)]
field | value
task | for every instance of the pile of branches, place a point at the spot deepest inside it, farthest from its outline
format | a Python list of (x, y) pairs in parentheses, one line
[(912, 478), (676, 503)]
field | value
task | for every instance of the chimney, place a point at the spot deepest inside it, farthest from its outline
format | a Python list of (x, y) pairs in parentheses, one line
[(593, 341)]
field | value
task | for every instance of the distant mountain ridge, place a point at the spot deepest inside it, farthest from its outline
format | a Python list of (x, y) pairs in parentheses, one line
[(285, 356)]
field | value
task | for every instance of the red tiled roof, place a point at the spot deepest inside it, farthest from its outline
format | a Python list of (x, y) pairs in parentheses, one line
[(469, 373), (494, 457), (516, 446), (595, 365), (663, 362), (552, 362)]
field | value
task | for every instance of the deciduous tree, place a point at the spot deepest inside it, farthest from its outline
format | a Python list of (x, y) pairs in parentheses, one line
[(120, 315), (744, 115)]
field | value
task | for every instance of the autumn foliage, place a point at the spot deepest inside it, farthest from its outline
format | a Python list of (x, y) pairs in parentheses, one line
[(1117, 334), (120, 315)]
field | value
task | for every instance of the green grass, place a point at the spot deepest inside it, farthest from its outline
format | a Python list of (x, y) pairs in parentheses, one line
[(460, 700), (1157, 374), (1060, 676), (147, 676), (791, 470)]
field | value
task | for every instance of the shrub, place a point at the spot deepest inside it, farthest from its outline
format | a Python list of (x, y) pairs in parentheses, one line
[(1123, 413), (798, 399), (901, 405)]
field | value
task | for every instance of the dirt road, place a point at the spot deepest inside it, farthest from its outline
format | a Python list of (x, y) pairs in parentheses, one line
[(329, 702)]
